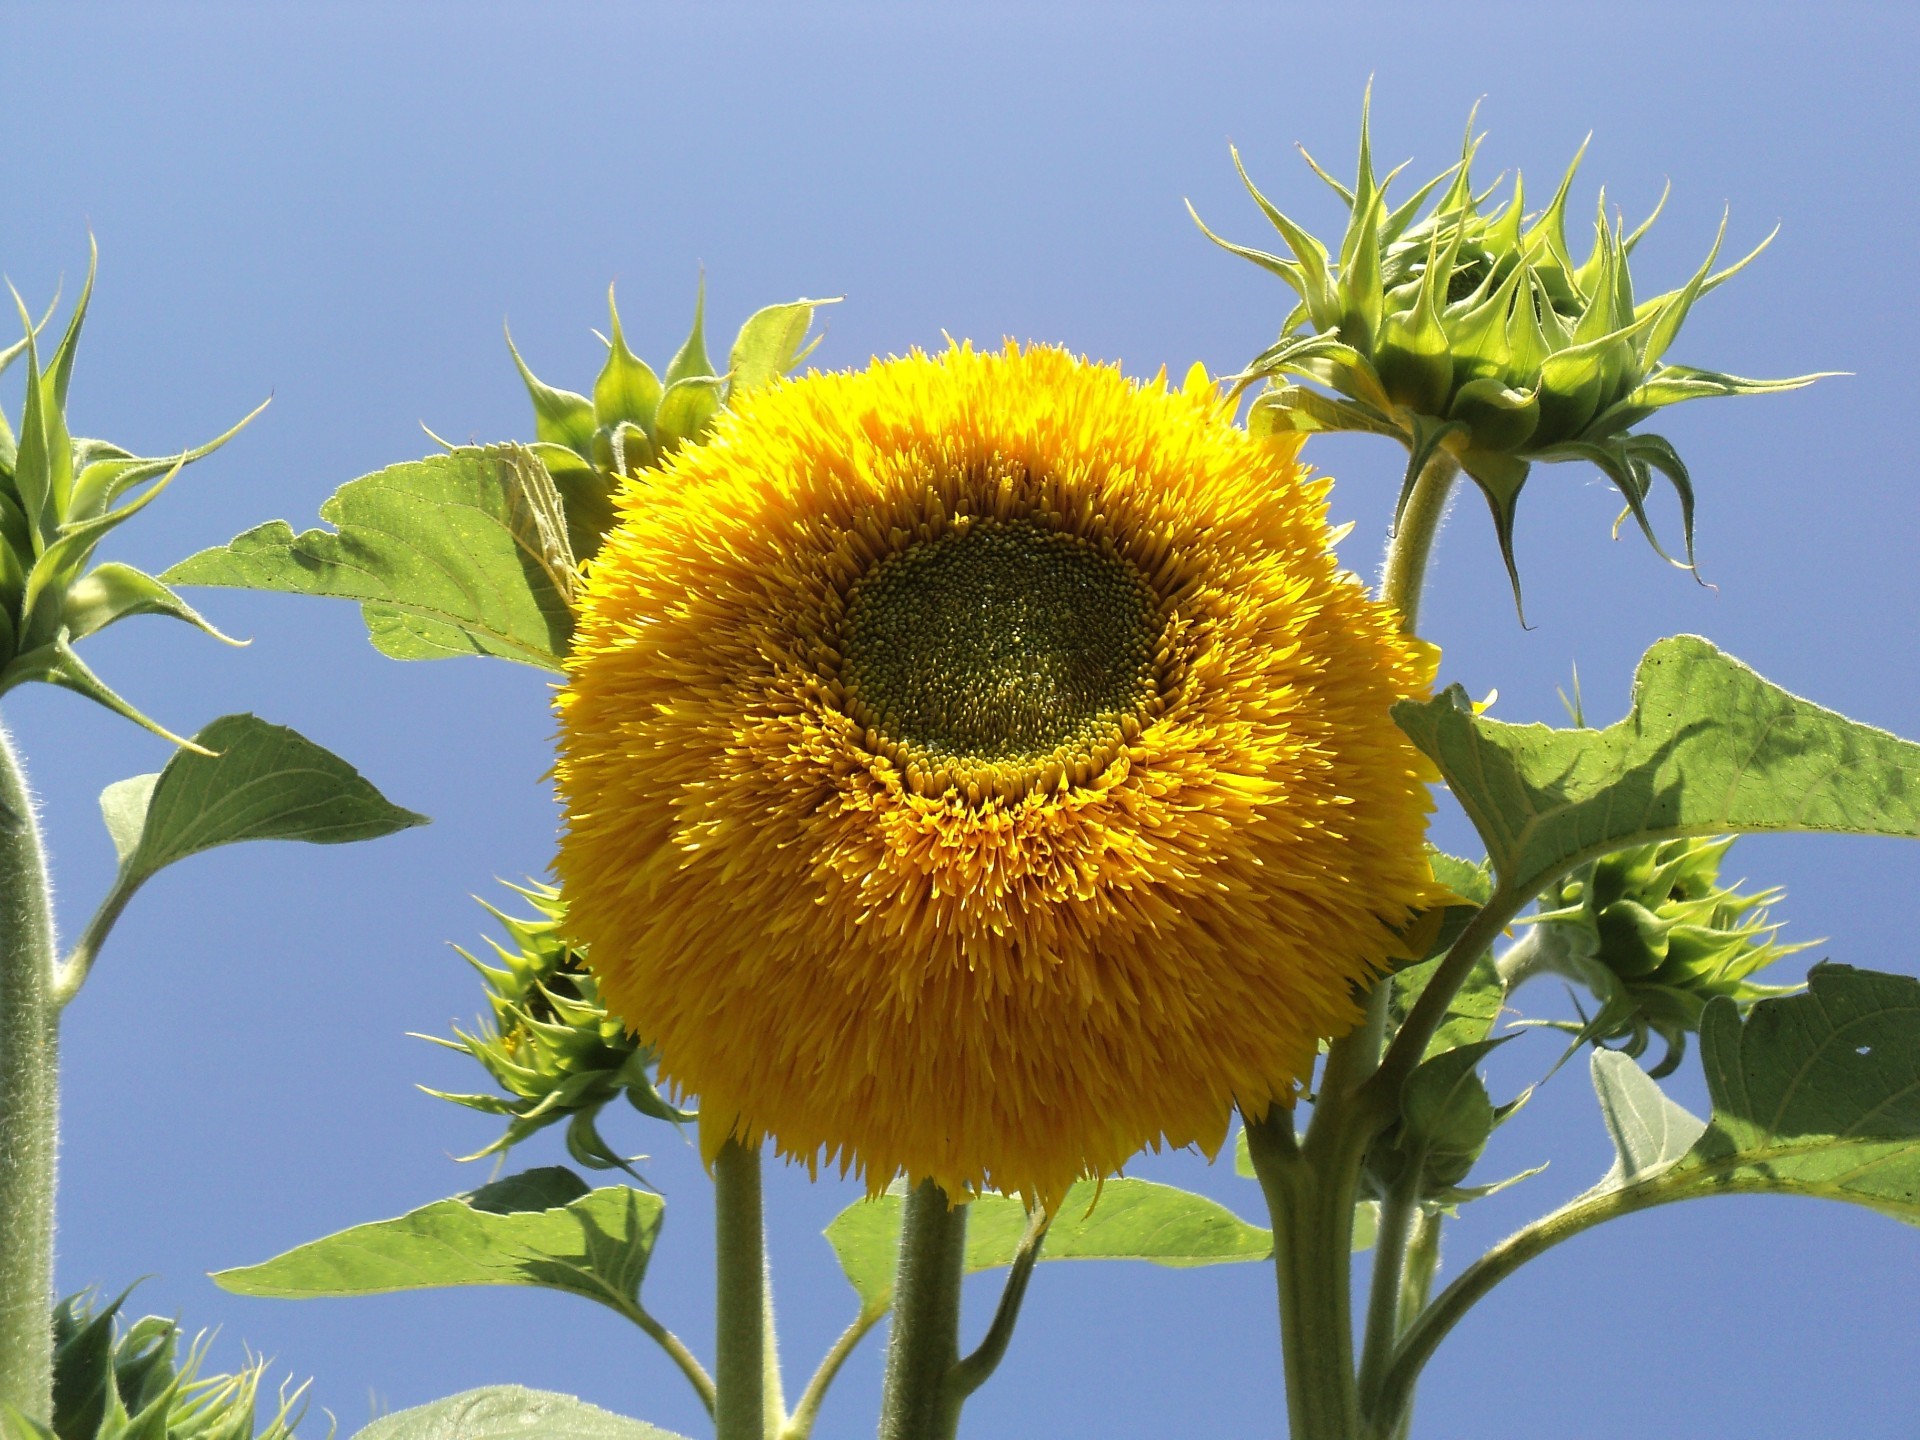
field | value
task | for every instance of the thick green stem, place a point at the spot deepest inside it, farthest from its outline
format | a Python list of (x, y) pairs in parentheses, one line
[(29, 1101), (917, 1402), (1405, 574), (740, 1348), (1312, 1188), (1310, 1193)]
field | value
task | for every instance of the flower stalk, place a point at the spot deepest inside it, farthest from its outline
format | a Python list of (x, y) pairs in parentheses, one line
[(1312, 1186), (740, 1346), (918, 1402), (29, 1101)]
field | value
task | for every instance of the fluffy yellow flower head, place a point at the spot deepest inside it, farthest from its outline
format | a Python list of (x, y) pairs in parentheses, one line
[(978, 768)]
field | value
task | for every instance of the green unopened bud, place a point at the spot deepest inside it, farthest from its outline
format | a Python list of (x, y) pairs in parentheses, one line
[(1655, 936), (115, 1383), (635, 418), (549, 1042), (1478, 336), (59, 498)]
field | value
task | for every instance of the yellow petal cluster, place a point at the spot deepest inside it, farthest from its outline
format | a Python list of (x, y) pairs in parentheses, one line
[(978, 767)]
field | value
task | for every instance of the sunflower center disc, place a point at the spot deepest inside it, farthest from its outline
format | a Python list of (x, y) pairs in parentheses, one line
[(1002, 642)]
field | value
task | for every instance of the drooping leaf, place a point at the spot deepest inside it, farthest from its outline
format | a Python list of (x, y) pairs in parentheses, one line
[(1709, 747), (459, 553), (539, 1228), (510, 1412), (260, 782), (1118, 1220)]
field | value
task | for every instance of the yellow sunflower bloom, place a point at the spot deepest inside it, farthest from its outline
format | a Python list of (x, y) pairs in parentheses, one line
[(978, 768)]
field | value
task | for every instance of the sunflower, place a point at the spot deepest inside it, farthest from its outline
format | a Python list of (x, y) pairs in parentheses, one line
[(978, 768)]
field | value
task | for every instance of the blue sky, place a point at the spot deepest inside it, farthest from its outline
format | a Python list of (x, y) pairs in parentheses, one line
[(339, 205)]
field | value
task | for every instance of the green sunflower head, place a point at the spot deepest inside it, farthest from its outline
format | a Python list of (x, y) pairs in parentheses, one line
[(1655, 936), (1470, 330), (133, 1383), (60, 496), (635, 417), (549, 1042)]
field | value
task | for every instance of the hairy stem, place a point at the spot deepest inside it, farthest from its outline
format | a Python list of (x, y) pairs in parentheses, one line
[(1386, 1314), (739, 1359), (1405, 574), (971, 1373), (1312, 1187), (1426, 1332), (1416, 1283), (29, 1101), (1310, 1196), (677, 1352), (917, 1402), (800, 1427)]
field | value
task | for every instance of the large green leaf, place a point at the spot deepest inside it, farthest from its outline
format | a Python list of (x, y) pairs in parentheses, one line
[(260, 782), (1115, 1220), (540, 1228), (1708, 747), (510, 1412), (241, 779), (463, 553), (1815, 1094)]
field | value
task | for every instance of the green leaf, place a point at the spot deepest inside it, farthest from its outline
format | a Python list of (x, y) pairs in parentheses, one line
[(690, 360), (771, 344), (1118, 1220), (1814, 1094), (1446, 1115), (470, 547), (1708, 748), (540, 1228), (1650, 1133), (114, 591), (261, 782), (687, 411), (560, 417), (627, 390), (510, 1412)]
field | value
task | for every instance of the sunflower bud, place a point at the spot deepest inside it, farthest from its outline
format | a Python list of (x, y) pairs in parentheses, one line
[(110, 1382), (1477, 335), (636, 418), (1655, 936), (550, 1043), (59, 497)]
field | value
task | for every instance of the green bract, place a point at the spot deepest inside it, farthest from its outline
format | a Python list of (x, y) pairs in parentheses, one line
[(1652, 932), (550, 1044), (636, 418), (59, 496), (1479, 336), (133, 1384)]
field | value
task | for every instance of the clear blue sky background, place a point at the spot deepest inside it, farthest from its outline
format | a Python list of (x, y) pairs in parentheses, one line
[(339, 204)]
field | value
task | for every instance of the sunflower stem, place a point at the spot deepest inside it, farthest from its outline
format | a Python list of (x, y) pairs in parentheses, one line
[(740, 1348), (918, 1402), (1312, 1185), (1405, 573), (29, 1101), (1311, 1192), (1400, 1216)]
